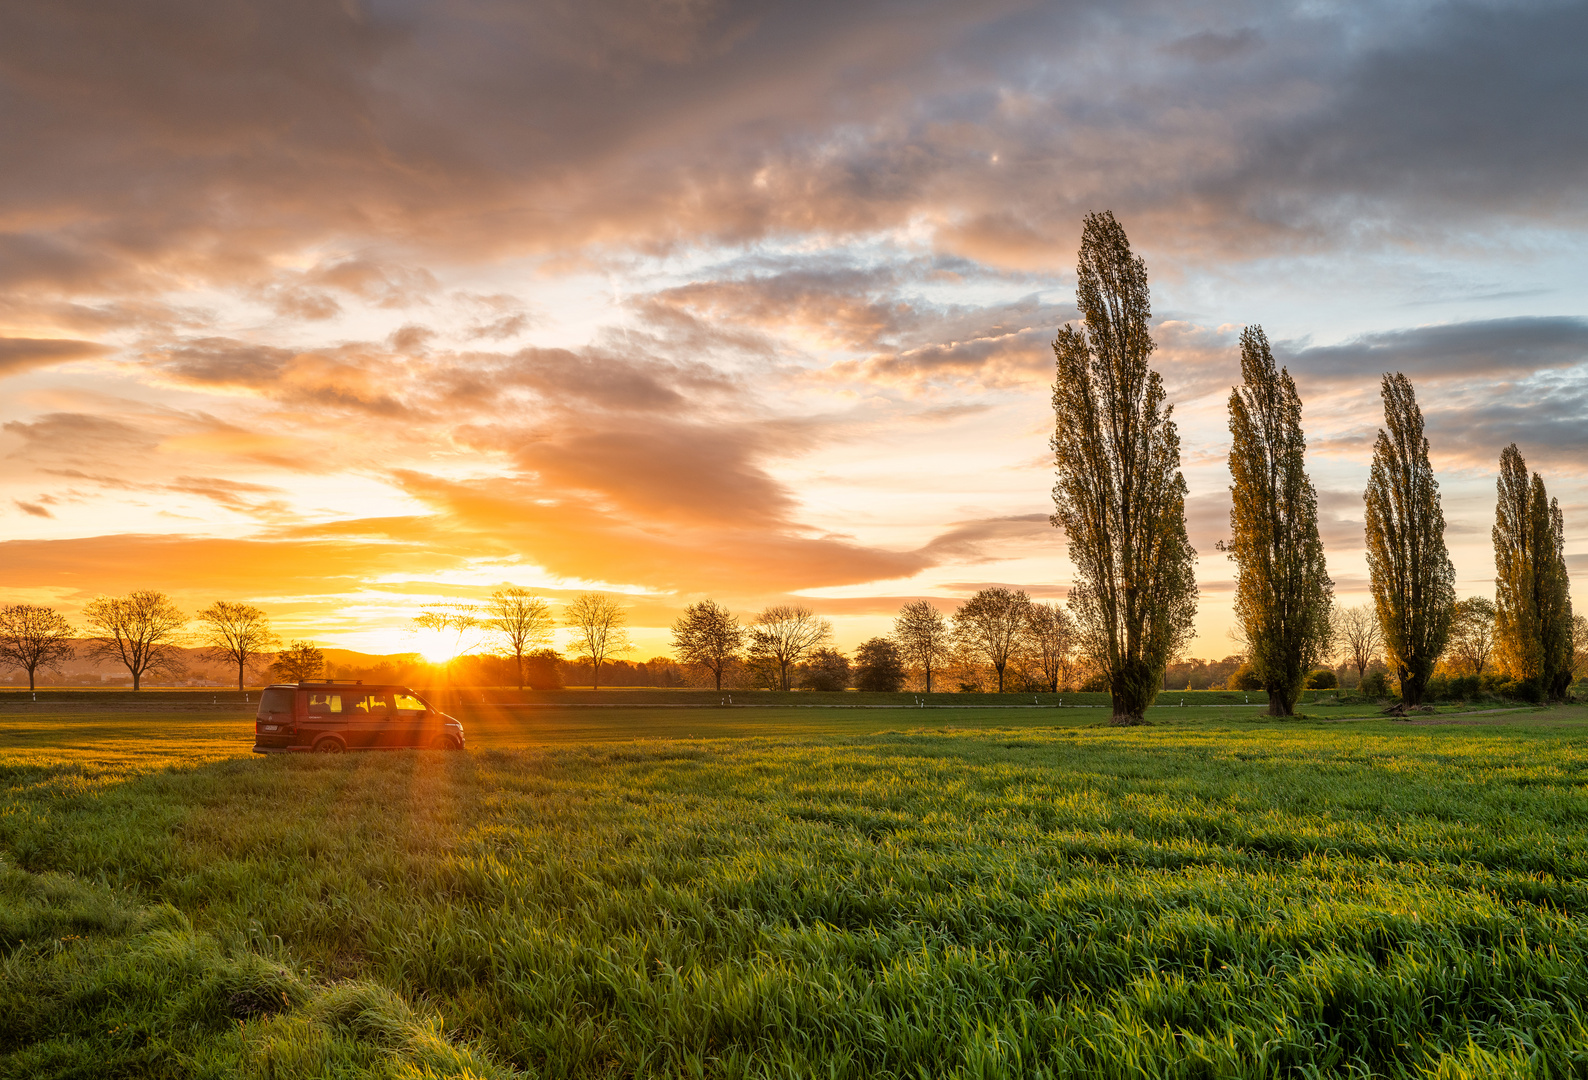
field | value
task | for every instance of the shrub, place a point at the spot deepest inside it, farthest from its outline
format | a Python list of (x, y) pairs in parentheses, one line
[(1322, 679), (1465, 687), (1244, 678), (1097, 684), (1375, 685)]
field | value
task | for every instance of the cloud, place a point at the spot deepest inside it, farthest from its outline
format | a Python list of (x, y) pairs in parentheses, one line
[(1544, 417), (1496, 348), (33, 509), (21, 354), (80, 437)]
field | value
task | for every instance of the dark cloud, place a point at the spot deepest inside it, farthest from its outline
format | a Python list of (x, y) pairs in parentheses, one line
[(32, 509), (231, 134), (1462, 111), (1212, 47), (992, 538), (1547, 419), (1495, 348)]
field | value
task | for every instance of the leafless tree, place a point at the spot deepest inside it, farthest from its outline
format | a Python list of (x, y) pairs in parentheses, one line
[(1358, 636), (236, 634), (992, 624), (783, 635), (33, 637), (524, 621), (708, 636), (141, 630), (924, 637), (1472, 633), (1051, 639), (599, 632), (459, 627)]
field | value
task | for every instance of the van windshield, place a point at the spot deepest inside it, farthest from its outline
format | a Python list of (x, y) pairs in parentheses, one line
[(276, 699)]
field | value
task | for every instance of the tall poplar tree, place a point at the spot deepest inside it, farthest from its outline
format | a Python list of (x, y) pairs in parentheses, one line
[(1532, 590), (1414, 585), (1282, 589), (1119, 495)]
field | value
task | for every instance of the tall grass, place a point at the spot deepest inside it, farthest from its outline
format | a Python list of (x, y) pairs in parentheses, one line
[(1194, 900)]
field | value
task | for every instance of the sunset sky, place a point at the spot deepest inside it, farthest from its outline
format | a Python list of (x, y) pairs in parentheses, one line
[(344, 307)]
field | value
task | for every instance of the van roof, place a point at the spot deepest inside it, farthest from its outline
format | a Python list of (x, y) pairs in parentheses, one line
[(340, 684)]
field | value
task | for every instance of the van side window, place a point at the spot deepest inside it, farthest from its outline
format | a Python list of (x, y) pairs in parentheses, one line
[(325, 704), (372, 705), (409, 706)]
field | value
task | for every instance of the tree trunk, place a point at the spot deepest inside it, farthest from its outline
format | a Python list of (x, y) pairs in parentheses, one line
[(1134, 688), (137, 680), (241, 664), (718, 673), (928, 678), (1412, 687), (595, 674), (1282, 701), (30, 679)]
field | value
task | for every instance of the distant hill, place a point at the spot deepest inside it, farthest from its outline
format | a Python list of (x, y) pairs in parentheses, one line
[(83, 670)]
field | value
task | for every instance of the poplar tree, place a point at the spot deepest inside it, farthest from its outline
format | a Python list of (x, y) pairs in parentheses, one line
[(1413, 582), (1282, 589), (1532, 590), (1119, 495)]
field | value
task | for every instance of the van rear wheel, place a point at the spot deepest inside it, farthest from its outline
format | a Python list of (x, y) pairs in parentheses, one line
[(331, 745)]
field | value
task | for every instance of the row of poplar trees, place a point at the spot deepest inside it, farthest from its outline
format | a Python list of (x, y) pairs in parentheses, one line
[(1120, 497)]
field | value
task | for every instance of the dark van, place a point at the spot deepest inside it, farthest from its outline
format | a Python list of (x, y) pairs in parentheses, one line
[(332, 717)]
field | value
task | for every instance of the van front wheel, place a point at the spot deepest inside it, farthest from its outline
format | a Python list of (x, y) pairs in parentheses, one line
[(331, 745), (443, 742)]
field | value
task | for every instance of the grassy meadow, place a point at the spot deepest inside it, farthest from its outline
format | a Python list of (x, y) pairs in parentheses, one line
[(790, 892)]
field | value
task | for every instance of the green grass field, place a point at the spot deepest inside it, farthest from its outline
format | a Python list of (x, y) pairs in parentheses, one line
[(789, 892)]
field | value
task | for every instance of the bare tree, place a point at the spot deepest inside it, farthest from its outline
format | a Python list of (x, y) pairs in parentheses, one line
[(236, 634), (33, 637), (524, 621), (991, 626), (1357, 635), (599, 632), (141, 630), (1472, 633), (299, 662), (1050, 636), (1413, 582), (1119, 494), (924, 636), (708, 636), (783, 635), (458, 629)]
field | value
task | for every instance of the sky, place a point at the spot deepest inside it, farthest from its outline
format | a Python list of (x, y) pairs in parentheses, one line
[(343, 308)]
